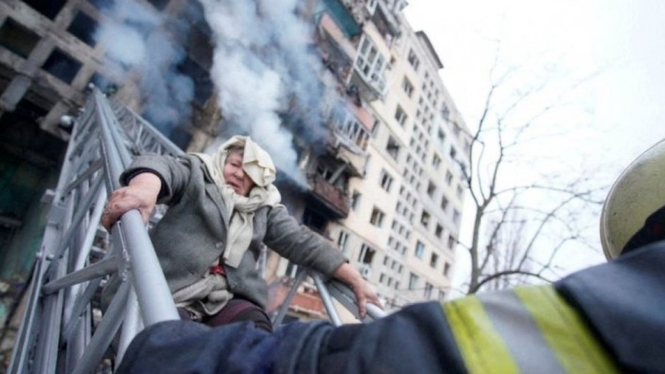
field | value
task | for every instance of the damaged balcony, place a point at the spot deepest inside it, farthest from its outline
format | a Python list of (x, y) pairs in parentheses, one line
[(351, 129), (327, 200), (336, 51)]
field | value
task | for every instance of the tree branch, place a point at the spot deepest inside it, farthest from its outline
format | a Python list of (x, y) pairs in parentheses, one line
[(506, 273)]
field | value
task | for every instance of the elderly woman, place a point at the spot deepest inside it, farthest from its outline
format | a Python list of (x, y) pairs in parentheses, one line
[(222, 207)]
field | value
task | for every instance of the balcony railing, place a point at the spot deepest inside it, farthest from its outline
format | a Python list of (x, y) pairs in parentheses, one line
[(332, 197)]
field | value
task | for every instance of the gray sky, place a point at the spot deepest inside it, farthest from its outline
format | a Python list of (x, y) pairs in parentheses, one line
[(616, 47)]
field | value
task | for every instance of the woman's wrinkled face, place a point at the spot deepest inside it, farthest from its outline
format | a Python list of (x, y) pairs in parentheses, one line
[(235, 176)]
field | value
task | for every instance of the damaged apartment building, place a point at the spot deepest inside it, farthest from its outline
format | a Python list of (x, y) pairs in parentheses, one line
[(384, 184)]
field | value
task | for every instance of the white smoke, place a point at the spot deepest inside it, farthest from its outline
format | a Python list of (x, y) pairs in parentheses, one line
[(135, 38), (263, 66)]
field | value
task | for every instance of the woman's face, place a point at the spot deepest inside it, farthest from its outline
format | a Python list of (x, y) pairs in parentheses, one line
[(235, 176)]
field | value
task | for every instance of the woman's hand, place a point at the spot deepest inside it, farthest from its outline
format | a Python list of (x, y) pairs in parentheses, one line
[(364, 294), (141, 194)]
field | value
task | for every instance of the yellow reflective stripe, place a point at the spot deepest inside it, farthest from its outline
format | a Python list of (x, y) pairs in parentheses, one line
[(480, 345), (565, 332)]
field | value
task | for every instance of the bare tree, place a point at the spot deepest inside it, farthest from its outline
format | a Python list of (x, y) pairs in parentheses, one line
[(513, 217)]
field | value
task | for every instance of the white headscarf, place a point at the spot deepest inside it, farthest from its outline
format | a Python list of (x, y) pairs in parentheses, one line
[(258, 165)]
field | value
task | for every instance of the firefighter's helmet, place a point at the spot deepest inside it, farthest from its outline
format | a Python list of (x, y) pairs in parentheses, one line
[(634, 211)]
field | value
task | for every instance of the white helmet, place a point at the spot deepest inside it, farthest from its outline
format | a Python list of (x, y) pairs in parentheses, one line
[(635, 207)]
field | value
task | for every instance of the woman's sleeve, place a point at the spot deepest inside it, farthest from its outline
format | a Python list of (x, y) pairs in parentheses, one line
[(174, 174), (299, 244)]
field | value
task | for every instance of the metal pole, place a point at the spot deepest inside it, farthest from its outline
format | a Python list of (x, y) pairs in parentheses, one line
[(104, 333), (327, 301), (151, 288), (300, 277), (130, 327)]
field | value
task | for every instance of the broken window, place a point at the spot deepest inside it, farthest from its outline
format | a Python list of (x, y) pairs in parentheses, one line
[(453, 152), (444, 203), (315, 220), (438, 231), (413, 60), (392, 147), (441, 136), (62, 66), (366, 254), (424, 218), (376, 218), (83, 27), (407, 87), (434, 260), (431, 189), (351, 129), (400, 115), (386, 180), (18, 38)]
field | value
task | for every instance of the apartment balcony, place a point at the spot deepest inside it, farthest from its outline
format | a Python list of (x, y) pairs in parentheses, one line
[(351, 132), (335, 58), (327, 198), (371, 88), (347, 16), (386, 22)]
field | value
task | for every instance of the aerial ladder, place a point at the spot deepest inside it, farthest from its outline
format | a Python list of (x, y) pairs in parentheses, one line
[(61, 330)]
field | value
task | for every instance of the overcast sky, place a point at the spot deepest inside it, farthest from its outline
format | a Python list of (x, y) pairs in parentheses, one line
[(616, 47)]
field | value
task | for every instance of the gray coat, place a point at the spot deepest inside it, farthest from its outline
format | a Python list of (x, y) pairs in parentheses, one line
[(192, 234)]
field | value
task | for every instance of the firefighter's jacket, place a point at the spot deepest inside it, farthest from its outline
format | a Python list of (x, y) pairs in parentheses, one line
[(605, 319)]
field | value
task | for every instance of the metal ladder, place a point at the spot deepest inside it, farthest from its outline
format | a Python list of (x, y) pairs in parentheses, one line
[(60, 331)]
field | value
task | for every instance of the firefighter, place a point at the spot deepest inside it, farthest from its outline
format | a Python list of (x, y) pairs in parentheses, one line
[(605, 319)]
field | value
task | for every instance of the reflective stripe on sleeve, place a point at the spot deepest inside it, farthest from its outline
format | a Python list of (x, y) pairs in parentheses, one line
[(520, 333), (527, 330), (568, 336), (480, 345)]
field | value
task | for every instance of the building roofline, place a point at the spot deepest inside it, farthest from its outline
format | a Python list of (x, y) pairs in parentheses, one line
[(422, 36)]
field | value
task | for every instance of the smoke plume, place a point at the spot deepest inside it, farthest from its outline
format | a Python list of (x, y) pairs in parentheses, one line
[(135, 39), (265, 70)]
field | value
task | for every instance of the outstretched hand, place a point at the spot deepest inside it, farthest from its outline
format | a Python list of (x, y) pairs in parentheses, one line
[(363, 292), (141, 194)]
